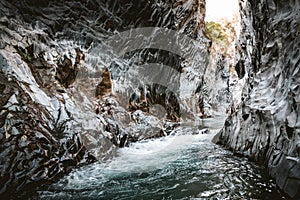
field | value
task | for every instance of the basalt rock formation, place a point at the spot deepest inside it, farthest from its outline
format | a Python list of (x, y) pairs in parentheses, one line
[(105, 85), (61, 108), (266, 125), (66, 100)]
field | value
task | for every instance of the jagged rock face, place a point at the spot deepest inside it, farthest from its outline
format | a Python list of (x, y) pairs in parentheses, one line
[(266, 126), (51, 119), (105, 85), (86, 21)]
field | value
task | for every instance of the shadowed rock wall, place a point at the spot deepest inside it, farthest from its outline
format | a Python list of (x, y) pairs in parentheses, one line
[(266, 125)]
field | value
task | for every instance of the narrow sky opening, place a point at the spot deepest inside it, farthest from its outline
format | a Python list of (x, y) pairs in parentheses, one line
[(219, 10)]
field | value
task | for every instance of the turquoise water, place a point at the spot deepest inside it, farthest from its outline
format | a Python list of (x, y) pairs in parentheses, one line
[(185, 166)]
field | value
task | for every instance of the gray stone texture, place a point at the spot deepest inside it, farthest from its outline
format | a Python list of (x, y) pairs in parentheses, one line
[(266, 126)]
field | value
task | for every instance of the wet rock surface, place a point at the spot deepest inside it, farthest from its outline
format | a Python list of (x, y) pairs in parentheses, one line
[(266, 125), (62, 104), (35, 149), (65, 102)]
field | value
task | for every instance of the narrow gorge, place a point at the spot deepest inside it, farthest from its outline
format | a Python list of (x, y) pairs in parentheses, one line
[(147, 100)]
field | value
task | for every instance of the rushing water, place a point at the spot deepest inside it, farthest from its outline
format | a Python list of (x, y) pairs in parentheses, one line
[(182, 166)]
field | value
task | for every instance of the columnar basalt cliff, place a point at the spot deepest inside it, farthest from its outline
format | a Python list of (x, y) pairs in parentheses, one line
[(266, 125), (65, 101), (61, 104)]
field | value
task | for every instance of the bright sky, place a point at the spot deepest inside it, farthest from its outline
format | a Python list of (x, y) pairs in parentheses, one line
[(216, 9)]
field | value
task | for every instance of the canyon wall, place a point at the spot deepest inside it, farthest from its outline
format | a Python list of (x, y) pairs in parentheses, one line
[(266, 125), (62, 103)]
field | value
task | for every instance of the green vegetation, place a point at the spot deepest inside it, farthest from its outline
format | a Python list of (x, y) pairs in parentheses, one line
[(214, 31), (27, 57)]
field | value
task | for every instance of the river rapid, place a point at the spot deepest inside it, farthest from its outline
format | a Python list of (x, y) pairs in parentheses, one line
[(184, 165)]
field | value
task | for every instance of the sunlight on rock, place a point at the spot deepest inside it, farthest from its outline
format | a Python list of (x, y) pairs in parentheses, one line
[(223, 12)]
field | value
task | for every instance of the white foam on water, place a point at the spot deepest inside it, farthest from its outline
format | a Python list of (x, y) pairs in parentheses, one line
[(152, 154)]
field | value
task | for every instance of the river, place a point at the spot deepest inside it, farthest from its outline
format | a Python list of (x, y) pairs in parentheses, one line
[(184, 165)]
